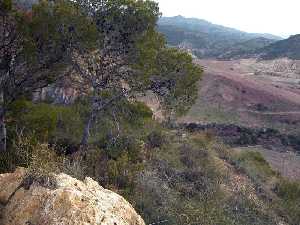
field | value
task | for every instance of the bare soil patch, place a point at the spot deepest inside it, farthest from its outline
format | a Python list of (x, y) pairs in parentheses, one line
[(248, 93)]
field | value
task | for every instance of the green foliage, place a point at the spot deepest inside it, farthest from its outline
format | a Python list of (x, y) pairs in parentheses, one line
[(156, 139), (44, 161), (39, 159), (241, 210), (183, 180), (254, 164), (121, 21), (116, 146), (48, 123), (59, 24), (139, 110), (43, 38), (182, 75), (169, 69), (145, 58), (267, 183), (122, 172), (175, 76), (180, 184), (289, 192), (187, 183), (36, 47), (5, 5), (285, 48), (120, 145)]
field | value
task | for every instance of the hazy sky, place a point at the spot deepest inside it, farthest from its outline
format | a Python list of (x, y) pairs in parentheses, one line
[(280, 17)]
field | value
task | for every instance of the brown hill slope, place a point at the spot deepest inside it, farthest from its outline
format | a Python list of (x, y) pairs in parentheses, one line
[(250, 93)]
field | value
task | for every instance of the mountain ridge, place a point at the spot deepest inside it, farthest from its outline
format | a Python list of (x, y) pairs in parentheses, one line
[(205, 39), (287, 48), (217, 26)]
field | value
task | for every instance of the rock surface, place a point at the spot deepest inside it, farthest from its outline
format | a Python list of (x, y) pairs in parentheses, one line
[(63, 201), (10, 182)]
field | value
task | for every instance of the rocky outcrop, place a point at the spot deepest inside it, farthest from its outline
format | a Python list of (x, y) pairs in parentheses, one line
[(61, 200), (56, 95), (64, 91)]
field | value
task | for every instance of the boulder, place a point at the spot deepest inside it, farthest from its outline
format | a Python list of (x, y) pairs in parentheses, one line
[(63, 200), (9, 183)]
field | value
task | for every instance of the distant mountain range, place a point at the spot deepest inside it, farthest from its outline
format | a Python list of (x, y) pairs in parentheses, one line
[(246, 49), (289, 48), (208, 40)]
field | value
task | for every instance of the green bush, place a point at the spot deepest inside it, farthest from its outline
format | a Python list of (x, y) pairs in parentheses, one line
[(48, 123), (156, 139), (8, 161), (289, 192), (38, 158), (139, 110), (254, 165), (116, 146), (40, 119)]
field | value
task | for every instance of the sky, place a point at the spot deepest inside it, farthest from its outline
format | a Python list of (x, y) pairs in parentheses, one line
[(279, 17)]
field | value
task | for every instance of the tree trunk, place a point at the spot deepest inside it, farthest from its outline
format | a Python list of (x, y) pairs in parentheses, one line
[(86, 131), (2, 131)]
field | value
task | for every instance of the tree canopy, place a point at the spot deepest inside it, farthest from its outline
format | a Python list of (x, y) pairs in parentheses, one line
[(112, 45)]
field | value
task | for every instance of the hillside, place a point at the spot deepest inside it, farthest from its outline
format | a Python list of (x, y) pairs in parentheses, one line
[(249, 92), (207, 39), (289, 48), (246, 49), (91, 94), (194, 179)]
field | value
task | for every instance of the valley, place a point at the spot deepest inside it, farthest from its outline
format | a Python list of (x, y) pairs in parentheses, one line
[(250, 93), (189, 121), (239, 99)]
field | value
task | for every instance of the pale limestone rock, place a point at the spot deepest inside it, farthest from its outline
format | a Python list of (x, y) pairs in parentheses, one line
[(70, 202), (9, 182)]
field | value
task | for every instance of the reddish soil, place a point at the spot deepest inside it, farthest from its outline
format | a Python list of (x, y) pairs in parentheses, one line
[(257, 101), (228, 70)]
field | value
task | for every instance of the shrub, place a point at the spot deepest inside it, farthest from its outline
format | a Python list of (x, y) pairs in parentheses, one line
[(204, 140), (19, 154), (38, 158), (7, 162), (40, 119), (223, 151), (121, 172), (192, 156), (45, 161), (46, 122), (156, 139), (254, 164), (140, 110), (289, 192), (116, 146)]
